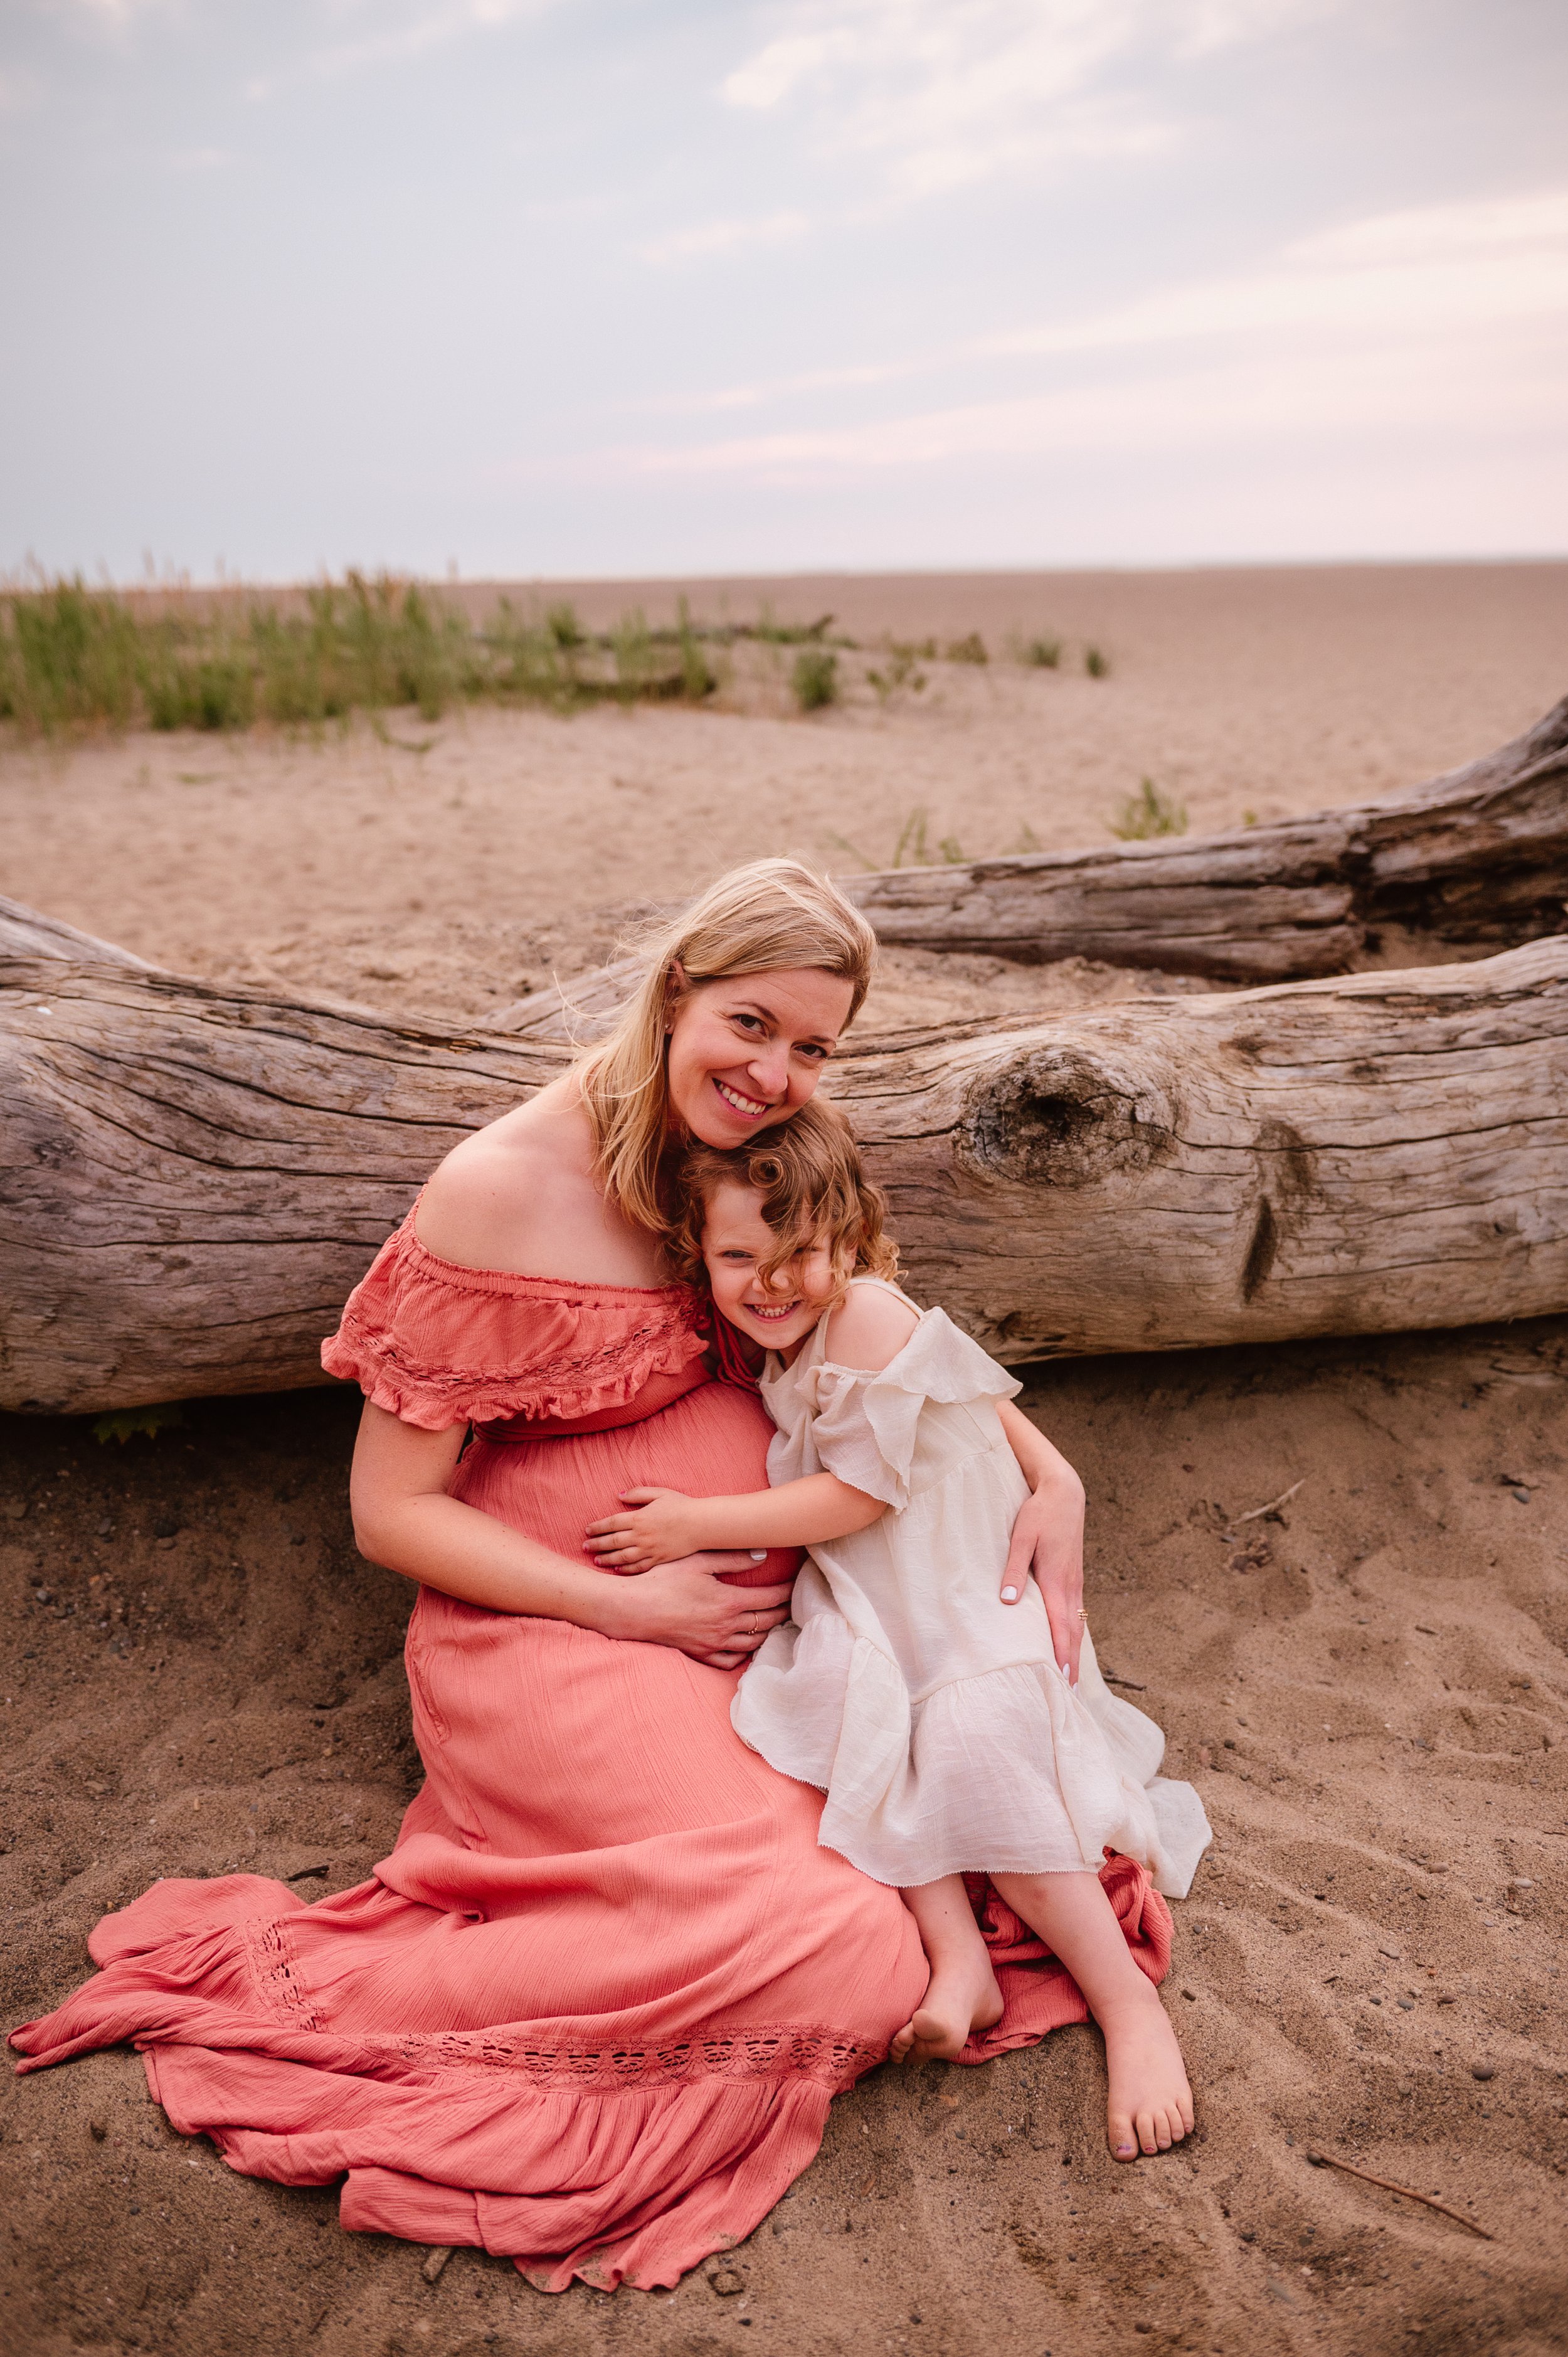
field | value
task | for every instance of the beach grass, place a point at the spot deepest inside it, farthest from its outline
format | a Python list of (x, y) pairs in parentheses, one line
[(75, 657), (815, 678), (1147, 814)]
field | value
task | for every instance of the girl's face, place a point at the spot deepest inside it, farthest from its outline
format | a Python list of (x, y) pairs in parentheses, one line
[(736, 1240), (746, 1053)]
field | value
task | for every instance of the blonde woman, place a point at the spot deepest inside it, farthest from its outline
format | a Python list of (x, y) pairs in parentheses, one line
[(591, 2011)]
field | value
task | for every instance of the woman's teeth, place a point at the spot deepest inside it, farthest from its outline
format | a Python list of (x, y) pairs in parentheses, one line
[(751, 1106)]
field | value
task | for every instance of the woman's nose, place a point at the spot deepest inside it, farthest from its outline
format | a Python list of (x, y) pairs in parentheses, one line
[(769, 1069)]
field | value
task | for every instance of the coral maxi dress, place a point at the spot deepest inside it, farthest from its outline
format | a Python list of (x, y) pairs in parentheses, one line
[(591, 2011)]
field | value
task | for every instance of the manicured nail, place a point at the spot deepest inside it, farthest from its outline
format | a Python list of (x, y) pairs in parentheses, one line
[(1009, 1596), (759, 1555)]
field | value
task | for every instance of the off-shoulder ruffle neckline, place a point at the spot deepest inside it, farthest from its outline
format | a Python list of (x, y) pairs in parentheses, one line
[(459, 1275)]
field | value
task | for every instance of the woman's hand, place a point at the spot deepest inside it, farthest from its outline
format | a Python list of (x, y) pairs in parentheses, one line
[(687, 1605), (405, 1518), (1047, 1546), (1047, 1537), (660, 1526)]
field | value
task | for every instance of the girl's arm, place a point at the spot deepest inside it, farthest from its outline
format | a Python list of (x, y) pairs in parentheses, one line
[(662, 1525), (405, 1518), (1047, 1535), (868, 1329)]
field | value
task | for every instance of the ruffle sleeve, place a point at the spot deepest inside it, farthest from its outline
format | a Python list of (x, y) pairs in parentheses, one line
[(437, 1344), (866, 1425)]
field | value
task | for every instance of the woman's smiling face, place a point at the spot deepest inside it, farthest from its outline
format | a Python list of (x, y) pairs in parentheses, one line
[(780, 1311), (747, 1052)]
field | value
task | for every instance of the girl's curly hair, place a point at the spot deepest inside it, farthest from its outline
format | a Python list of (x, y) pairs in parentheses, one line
[(814, 1191)]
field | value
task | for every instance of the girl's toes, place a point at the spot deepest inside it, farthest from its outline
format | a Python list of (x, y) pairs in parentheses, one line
[(1123, 2140), (903, 2041)]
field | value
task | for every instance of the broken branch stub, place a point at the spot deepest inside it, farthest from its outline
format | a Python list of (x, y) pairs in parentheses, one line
[(192, 1178)]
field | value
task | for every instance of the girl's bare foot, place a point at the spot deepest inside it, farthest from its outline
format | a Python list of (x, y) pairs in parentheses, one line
[(961, 1997), (1150, 2103)]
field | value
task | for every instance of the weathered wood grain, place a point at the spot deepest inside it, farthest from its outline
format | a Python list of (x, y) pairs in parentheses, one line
[(1356, 1155), (192, 1178), (1478, 857)]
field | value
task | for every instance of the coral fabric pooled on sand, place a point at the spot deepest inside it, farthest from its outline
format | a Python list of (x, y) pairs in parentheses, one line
[(932, 1716), (591, 2011)]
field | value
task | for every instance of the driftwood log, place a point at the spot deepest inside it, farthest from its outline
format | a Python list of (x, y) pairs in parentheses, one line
[(193, 1177), (1478, 858)]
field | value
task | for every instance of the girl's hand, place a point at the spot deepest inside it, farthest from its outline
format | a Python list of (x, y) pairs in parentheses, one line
[(686, 1605), (1047, 1546), (663, 1525)]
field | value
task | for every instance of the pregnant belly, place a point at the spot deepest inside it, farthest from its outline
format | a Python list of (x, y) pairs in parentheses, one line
[(711, 1443)]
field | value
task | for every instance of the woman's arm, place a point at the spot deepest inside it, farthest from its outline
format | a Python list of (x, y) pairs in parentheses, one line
[(1047, 1535), (662, 1525), (405, 1518)]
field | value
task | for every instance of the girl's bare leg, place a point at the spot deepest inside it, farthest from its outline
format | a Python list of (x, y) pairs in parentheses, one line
[(961, 1993), (1150, 2106)]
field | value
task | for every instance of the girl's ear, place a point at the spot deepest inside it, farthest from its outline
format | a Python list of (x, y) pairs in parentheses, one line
[(676, 989)]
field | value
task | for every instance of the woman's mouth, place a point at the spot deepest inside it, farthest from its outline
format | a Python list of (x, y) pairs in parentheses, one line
[(749, 1108)]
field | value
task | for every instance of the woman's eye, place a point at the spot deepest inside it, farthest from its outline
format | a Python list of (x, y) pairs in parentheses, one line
[(753, 1020)]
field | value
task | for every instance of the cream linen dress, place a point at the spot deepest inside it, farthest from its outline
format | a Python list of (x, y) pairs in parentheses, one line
[(932, 1714)]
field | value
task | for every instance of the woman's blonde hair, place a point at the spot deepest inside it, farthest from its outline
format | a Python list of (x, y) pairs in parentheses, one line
[(814, 1192), (772, 914)]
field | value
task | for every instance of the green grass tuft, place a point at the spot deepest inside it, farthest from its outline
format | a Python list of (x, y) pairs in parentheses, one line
[(1096, 663), (1041, 655), (1147, 814), (969, 650), (815, 679), (900, 671), (122, 1423)]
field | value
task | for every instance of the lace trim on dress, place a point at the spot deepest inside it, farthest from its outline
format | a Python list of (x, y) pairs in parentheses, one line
[(796, 2050), (272, 1964), (437, 1344), (573, 1382)]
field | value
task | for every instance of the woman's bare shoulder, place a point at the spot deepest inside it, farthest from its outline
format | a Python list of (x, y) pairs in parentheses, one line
[(869, 1328), (502, 1191)]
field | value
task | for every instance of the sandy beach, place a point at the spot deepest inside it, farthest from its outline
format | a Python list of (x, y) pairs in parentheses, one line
[(1369, 1684)]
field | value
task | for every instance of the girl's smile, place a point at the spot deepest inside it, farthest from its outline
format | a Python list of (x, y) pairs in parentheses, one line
[(779, 1312)]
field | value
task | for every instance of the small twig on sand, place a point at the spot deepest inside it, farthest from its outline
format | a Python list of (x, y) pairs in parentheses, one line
[(1111, 1679), (1273, 1505), (437, 2259), (1327, 2160)]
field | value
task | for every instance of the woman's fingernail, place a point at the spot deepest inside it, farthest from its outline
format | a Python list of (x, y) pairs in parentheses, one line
[(759, 1555), (1009, 1596)]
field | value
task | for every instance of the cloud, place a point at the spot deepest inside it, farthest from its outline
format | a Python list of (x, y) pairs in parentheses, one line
[(397, 33), (1446, 318), (1454, 267), (948, 93), (726, 237)]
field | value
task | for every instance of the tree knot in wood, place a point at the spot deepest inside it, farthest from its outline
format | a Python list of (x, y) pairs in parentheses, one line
[(1062, 1117)]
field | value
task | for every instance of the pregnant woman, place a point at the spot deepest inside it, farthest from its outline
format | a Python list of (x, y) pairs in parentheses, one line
[(592, 2010)]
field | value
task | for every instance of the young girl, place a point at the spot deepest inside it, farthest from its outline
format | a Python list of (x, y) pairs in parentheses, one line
[(932, 1711)]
